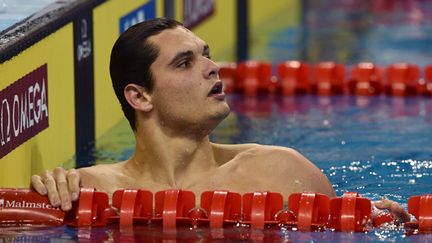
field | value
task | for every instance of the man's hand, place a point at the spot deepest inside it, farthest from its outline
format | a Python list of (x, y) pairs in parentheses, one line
[(62, 186), (400, 215)]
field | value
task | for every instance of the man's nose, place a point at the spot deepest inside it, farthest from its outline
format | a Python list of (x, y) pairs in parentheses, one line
[(212, 70)]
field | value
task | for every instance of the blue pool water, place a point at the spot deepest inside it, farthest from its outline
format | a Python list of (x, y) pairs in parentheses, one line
[(376, 146), (13, 11)]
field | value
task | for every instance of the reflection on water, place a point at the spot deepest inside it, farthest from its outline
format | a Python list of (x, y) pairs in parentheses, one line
[(154, 233)]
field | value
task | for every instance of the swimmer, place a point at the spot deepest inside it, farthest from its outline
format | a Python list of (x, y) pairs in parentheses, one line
[(171, 94)]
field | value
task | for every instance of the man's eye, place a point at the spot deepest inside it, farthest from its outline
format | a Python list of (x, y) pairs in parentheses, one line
[(184, 64)]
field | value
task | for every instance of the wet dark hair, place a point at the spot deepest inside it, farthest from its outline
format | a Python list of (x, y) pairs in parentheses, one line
[(131, 58)]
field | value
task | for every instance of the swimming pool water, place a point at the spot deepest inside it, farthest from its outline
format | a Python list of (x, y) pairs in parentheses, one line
[(13, 11), (372, 145), (156, 234)]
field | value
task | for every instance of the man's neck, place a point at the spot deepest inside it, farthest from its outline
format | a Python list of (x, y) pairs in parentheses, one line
[(171, 159)]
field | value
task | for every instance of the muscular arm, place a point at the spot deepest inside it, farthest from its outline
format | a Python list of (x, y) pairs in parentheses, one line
[(304, 175), (277, 169)]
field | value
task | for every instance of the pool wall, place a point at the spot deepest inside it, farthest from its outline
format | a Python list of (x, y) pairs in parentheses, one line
[(77, 93)]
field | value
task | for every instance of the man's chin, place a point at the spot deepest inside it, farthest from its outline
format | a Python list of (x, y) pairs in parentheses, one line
[(221, 114), (225, 112)]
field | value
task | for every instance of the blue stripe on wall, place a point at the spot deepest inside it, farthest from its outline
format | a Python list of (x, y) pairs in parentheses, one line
[(84, 89)]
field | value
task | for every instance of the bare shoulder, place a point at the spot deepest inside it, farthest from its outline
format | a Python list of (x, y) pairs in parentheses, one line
[(262, 154), (268, 156), (280, 167), (99, 169), (226, 152), (96, 176)]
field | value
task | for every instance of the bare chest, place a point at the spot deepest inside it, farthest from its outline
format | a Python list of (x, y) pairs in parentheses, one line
[(241, 179)]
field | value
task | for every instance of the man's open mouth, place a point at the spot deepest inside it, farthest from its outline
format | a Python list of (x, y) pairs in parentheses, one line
[(217, 89)]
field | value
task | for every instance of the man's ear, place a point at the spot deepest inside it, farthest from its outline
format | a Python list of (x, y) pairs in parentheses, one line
[(138, 97)]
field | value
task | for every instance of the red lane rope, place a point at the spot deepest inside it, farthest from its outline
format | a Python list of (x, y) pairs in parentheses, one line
[(307, 211), (294, 77)]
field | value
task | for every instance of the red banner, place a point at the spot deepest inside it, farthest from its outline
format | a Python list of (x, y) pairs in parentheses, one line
[(196, 11), (23, 109)]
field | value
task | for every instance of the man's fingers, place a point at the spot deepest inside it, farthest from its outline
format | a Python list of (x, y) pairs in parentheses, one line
[(73, 179), (61, 186), (59, 175), (38, 185), (382, 204), (398, 212), (51, 187)]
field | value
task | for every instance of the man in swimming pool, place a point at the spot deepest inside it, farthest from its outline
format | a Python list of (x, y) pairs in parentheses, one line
[(171, 94)]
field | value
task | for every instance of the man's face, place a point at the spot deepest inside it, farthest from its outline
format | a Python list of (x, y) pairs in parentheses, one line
[(187, 90)]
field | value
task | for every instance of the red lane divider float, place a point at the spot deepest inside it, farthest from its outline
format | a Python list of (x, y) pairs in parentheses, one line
[(172, 208), (421, 208), (254, 77), (131, 207), (294, 77), (403, 79), (26, 207), (330, 78), (260, 208), (426, 83), (350, 212), (228, 73), (91, 209), (310, 210), (223, 208), (366, 79)]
